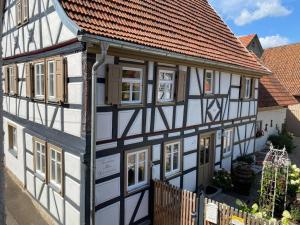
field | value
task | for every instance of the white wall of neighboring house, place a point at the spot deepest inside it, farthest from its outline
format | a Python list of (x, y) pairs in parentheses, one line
[(293, 119), (277, 116)]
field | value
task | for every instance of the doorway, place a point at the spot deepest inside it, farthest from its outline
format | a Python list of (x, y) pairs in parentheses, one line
[(206, 159)]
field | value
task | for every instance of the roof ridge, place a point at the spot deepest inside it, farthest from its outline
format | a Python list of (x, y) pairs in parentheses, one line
[(282, 46)]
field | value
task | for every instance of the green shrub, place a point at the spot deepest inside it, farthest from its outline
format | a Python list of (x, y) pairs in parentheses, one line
[(295, 213), (222, 179), (282, 140)]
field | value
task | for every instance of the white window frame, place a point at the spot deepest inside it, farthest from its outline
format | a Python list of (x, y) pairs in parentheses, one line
[(39, 157), (211, 91), (172, 171), (51, 97), (40, 84), (248, 89), (172, 82), (137, 184), (12, 138), (227, 142), (57, 163), (131, 82), (11, 82)]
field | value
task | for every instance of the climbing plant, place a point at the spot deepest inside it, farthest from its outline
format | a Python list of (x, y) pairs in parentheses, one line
[(274, 181)]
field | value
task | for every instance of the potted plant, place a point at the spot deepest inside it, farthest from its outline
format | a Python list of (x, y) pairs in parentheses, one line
[(242, 177), (222, 179)]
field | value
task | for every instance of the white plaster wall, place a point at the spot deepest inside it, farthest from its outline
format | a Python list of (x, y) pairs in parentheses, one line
[(109, 215), (278, 116), (50, 34), (14, 163)]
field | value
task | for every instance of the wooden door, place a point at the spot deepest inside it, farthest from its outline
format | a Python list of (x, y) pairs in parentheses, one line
[(206, 159)]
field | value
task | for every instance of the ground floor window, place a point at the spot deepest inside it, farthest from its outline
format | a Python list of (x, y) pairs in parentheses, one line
[(40, 157), (137, 169), (172, 158), (227, 142), (55, 164), (12, 139)]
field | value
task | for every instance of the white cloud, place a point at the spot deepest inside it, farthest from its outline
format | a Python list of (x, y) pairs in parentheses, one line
[(243, 12), (273, 41)]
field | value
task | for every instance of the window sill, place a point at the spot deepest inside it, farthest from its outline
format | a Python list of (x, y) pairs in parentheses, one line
[(55, 187), (171, 176), (137, 189), (165, 103), (40, 176), (14, 152), (130, 105)]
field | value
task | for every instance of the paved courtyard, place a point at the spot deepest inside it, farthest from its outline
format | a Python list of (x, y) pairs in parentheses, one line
[(19, 207)]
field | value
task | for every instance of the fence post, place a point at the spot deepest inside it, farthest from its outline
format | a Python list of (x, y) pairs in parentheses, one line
[(200, 208)]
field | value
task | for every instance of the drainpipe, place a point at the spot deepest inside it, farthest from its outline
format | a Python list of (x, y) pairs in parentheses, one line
[(97, 64)]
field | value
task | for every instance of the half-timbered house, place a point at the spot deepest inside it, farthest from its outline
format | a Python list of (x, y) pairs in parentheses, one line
[(176, 98)]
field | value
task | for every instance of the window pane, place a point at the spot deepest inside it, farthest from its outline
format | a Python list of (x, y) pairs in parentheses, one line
[(136, 87), (168, 163), (58, 174), (202, 157), (38, 162), (142, 171), (125, 96), (136, 96), (52, 170), (43, 163), (175, 161), (58, 155), (207, 155), (142, 157), (131, 175), (131, 74), (125, 86), (131, 159), (166, 75)]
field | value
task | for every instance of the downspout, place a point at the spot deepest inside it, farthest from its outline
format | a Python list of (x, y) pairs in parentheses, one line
[(97, 64)]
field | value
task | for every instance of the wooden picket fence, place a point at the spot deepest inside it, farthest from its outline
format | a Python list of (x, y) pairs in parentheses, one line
[(226, 213), (173, 206)]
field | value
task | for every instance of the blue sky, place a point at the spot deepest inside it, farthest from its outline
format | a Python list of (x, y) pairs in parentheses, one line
[(277, 22)]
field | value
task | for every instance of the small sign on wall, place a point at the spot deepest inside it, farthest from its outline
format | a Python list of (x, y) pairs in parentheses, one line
[(107, 166), (235, 220), (211, 213)]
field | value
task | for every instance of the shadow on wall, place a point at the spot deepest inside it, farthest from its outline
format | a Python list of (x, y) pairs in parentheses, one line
[(293, 119)]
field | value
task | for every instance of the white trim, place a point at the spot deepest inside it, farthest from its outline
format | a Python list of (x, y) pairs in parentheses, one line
[(227, 138), (131, 82), (51, 97), (39, 170), (137, 184), (170, 82), (40, 84), (248, 90), (212, 82), (172, 153)]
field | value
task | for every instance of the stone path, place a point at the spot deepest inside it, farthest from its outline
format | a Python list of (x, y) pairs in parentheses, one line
[(19, 207)]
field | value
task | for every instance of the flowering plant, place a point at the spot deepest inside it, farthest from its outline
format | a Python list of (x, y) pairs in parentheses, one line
[(222, 179)]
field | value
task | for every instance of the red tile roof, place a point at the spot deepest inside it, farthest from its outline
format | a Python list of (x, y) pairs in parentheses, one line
[(284, 61), (189, 27), (271, 91), (246, 40)]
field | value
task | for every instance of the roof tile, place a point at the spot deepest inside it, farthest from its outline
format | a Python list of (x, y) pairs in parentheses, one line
[(189, 27)]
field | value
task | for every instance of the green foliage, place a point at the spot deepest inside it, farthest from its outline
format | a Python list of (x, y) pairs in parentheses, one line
[(245, 158), (294, 181), (222, 179), (295, 213), (286, 217), (282, 140)]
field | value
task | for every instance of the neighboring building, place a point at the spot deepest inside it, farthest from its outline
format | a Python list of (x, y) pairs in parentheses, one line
[(273, 101), (252, 43), (284, 61), (176, 99)]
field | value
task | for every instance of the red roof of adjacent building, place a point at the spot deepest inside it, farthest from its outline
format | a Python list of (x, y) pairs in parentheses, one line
[(189, 27), (246, 40), (284, 61), (271, 91)]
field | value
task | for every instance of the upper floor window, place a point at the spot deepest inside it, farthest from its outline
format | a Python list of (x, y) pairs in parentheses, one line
[(166, 86), (40, 157), (22, 12), (227, 141), (51, 80), (209, 82), (11, 82), (12, 139), (137, 169), (248, 88), (55, 164), (132, 84), (39, 78), (172, 158)]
